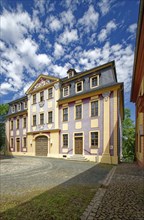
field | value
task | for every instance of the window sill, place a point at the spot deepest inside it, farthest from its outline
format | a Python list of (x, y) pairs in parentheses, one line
[(94, 147)]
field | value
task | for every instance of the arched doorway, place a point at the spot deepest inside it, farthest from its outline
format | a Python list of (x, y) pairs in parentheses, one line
[(41, 144)]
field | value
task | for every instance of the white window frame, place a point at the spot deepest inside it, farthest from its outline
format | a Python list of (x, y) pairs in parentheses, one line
[(42, 113), (33, 99), (67, 91), (23, 142), (95, 100), (81, 111), (24, 118), (48, 117), (81, 87), (52, 93), (63, 114), (68, 141), (33, 120), (11, 123), (90, 146), (19, 107), (13, 108), (97, 76)]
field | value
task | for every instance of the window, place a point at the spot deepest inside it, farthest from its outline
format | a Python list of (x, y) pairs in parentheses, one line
[(34, 120), (11, 142), (65, 114), (94, 108), (65, 140), (94, 81), (78, 111), (34, 99), (50, 93), (17, 123), (42, 119), (24, 122), (11, 125), (49, 117), (24, 142), (94, 140), (66, 91), (25, 104), (13, 109), (79, 87), (41, 96), (19, 106)]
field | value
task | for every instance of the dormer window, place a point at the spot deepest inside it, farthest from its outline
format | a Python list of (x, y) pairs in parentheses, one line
[(66, 91), (79, 86), (94, 81), (13, 109), (19, 106), (71, 73)]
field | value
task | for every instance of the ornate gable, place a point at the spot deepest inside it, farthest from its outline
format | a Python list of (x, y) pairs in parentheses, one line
[(42, 81)]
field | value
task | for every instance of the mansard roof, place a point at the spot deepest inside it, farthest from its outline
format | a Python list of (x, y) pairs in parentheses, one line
[(95, 69)]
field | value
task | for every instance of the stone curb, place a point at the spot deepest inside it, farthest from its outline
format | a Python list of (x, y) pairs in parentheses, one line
[(92, 208)]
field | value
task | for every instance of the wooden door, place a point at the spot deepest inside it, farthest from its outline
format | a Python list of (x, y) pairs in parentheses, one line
[(42, 146), (18, 144), (78, 145)]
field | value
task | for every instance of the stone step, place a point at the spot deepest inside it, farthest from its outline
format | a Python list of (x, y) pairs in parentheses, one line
[(77, 158)]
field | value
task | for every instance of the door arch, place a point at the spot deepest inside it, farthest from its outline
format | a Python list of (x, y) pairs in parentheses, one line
[(41, 145)]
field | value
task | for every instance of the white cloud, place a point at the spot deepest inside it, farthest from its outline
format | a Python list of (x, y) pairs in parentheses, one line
[(67, 18), (5, 87), (105, 6), (106, 31), (15, 25), (54, 23), (58, 50), (90, 19), (68, 36), (132, 28)]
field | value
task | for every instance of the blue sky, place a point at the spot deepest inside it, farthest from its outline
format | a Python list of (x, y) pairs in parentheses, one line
[(51, 36)]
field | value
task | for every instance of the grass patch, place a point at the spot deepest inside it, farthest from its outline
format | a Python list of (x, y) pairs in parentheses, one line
[(58, 203)]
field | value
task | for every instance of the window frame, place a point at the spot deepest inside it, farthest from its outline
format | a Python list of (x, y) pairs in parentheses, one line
[(12, 143), (42, 96), (41, 119), (13, 108), (11, 124), (65, 114), (98, 140), (24, 122), (50, 95), (67, 145), (19, 107), (50, 119), (17, 123), (91, 84), (34, 99), (76, 86), (96, 110), (34, 124), (24, 142), (25, 104), (65, 95), (78, 118)]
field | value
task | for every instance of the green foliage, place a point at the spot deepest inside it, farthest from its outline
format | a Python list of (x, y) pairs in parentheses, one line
[(3, 112), (128, 136)]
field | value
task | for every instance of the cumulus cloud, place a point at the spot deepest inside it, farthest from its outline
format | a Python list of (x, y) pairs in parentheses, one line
[(104, 6), (132, 28), (106, 31), (54, 23), (58, 50), (90, 19), (67, 18), (68, 36)]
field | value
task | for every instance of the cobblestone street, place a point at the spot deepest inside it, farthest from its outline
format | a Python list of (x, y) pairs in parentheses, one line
[(123, 199)]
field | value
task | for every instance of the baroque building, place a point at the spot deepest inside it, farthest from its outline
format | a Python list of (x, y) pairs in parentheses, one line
[(79, 115), (137, 89)]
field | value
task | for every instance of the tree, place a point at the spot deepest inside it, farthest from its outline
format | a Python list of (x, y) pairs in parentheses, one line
[(128, 135), (3, 112)]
